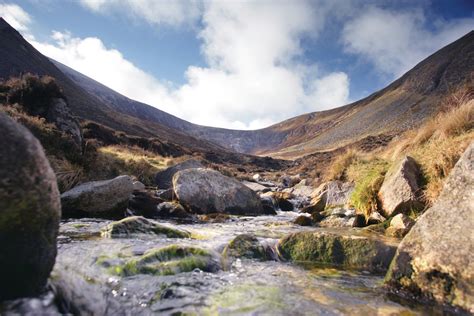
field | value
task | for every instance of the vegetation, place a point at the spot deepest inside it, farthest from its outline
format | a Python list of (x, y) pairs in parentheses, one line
[(338, 168)]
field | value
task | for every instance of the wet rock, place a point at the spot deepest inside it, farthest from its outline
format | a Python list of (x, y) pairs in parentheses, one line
[(337, 250), (144, 203), (29, 212), (338, 193), (134, 225), (359, 221), (375, 218), (317, 217), (282, 200), (400, 190), (138, 186), (171, 210), (208, 191), (268, 204), (435, 259), (246, 246), (303, 221), (399, 226), (107, 199), (316, 206), (164, 179), (170, 260), (339, 217)]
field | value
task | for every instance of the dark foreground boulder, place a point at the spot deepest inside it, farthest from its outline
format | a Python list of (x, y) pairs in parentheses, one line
[(337, 250), (435, 260), (107, 199), (164, 179), (206, 191), (29, 212)]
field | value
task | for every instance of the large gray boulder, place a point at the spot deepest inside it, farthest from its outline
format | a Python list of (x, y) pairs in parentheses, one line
[(208, 191), (29, 212), (436, 258), (400, 190), (107, 199), (164, 179)]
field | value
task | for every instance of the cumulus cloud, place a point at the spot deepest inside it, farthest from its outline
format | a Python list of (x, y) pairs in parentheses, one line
[(171, 12), (395, 41), (253, 79), (15, 16)]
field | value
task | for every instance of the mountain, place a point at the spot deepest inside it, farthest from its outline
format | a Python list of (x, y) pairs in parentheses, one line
[(19, 57), (403, 104)]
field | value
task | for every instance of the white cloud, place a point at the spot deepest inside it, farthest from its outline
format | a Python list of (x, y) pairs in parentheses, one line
[(160, 12), (253, 78), (395, 41), (15, 16)]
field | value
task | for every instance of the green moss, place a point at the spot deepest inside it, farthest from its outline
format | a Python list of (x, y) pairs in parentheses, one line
[(325, 249), (368, 177), (168, 261), (245, 246), (140, 225)]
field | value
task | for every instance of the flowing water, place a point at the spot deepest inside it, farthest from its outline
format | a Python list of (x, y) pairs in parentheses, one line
[(246, 287)]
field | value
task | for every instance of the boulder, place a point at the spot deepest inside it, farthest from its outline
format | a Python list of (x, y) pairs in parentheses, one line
[(144, 203), (246, 246), (303, 221), (164, 179), (338, 193), (166, 195), (337, 250), (208, 191), (282, 201), (134, 225), (435, 260), (302, 189), (375, 218), (106, 199), (30, 211), (268, 204), (400, 190), (171, 209), (399, 226)]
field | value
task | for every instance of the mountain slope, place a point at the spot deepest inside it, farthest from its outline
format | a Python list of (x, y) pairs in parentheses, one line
[(18, 57), (403, 104)]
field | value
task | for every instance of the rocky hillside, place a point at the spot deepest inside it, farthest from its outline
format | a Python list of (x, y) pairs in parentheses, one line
[(403, 104)]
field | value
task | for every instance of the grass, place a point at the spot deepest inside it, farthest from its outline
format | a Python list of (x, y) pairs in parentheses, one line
[(368, 176), (338, 168)]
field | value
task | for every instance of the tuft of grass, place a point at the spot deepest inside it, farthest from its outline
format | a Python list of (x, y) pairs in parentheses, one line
[(338, 168), (368, 176)]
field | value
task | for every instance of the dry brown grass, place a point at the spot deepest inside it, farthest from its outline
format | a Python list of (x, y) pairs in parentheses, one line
[(338, 168)]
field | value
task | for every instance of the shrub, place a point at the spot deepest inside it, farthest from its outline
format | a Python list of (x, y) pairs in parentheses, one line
[(338, 168)]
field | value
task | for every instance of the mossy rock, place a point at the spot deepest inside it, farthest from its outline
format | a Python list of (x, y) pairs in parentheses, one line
[(246, 246), (139, 225), (336, 250), (303, 221), (170, 260)]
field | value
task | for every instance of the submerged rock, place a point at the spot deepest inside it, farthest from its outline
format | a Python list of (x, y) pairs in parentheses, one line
[(246, 246), (435, 260), (107, 199), (29, 212), (134, 225), (164, 179), (303, 221), (208, 191), (170, 260), (343, 251), (400, 190)]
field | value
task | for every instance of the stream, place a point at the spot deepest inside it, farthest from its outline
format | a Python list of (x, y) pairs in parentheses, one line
[(81, 283)]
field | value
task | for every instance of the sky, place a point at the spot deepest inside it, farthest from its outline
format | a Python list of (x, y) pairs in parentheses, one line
[(241, 64)]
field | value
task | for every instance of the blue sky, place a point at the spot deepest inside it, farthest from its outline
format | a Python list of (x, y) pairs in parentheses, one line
[(241, 64)]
